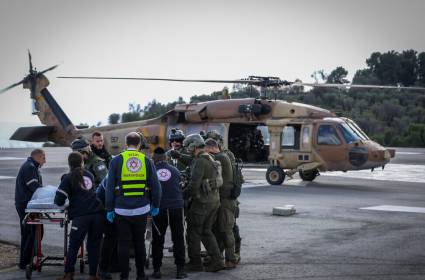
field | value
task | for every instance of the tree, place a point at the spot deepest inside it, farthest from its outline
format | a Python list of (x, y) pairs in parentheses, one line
[(134, 113), (113, 118), (337, 76)]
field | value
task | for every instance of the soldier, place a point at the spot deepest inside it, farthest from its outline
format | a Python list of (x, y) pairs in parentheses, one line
[(202, 212), (98, 147), (226, 213), (92, 162), (177, 155), (237, 181)]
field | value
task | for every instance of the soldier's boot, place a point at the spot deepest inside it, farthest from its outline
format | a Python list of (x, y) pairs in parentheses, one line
[(181, 274), (207, 260), (67, 276), (193, 265), (215, 265), (156, 274), (230, 264)]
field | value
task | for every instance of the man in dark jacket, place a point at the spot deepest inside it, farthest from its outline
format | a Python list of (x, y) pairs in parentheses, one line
[(133, 190), (27, 181), (97, 145), (170, 212)]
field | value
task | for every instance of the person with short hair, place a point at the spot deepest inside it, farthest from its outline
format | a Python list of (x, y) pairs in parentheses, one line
[(170, 214), (86, 212), (27, 182), (97, 145), (132, 192)]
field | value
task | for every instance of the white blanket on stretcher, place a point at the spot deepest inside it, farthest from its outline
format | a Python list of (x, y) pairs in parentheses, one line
[(44, 198)]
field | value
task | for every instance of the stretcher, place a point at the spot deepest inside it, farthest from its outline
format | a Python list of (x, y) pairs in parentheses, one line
[(38, 218), (41, 211)]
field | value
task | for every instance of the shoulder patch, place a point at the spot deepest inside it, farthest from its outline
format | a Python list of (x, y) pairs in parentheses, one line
[(88, 183), (163, 174)]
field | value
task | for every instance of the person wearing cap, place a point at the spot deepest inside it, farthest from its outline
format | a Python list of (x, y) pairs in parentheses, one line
[(202, 212), (132, 192), (92, 163), (170, 214)]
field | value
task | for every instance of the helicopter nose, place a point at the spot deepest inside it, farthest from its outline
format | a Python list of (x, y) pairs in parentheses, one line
[(383, 155)]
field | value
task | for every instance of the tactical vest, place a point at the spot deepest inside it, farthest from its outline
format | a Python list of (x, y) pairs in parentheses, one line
[(133, 174)]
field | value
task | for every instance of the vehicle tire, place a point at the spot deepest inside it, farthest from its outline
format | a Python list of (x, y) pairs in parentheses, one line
[(275, 175), (309, 175), (28, 271), (81, 266)]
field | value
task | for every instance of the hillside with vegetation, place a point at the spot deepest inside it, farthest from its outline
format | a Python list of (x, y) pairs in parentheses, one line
[(391, 117)]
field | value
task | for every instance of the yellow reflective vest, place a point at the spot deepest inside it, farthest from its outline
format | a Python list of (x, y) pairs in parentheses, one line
[(133, 173)]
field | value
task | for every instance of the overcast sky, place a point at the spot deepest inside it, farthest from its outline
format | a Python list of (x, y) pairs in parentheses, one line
[(187, 39)]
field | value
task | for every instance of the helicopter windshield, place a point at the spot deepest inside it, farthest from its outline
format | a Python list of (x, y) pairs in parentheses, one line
[(357, 129), (349, 134)]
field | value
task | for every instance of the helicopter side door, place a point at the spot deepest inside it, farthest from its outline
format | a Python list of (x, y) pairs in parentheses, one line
[(296, 145), (330, 146)]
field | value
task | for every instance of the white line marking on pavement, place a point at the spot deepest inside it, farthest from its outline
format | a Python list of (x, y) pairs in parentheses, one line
[(6, 177), (11, 158), (396, 208), (408, 153)]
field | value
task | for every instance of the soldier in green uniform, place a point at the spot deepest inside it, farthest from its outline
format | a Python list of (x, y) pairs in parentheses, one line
[(226, 214), (204, 204), (92, 163), (237, 181), (177, 154)]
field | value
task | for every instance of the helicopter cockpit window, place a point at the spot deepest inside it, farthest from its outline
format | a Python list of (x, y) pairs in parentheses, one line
[(357, 129), (327, 136), (291, 137), (349, 135)]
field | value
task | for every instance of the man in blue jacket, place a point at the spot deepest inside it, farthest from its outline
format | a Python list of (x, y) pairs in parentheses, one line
[(133, 190), (170, 213), (27, 181)]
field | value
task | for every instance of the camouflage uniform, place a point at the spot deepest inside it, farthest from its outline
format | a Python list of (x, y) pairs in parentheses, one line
[(96, 166), (202, 213), (217, 136), (182, 162), (226, 212)]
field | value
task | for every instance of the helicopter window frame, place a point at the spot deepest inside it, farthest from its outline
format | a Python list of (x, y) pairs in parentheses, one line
[(357, 129), (332, 139), (293, 137), (306, 135), (347, 132)]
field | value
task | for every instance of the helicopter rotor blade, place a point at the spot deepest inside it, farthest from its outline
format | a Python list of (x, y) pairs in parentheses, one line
[(12, 86), (30, 61), (346, 86), (48, 69), (162, 79)]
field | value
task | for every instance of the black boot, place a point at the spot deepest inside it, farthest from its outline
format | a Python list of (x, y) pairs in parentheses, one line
[(180, 273), (156, 274)]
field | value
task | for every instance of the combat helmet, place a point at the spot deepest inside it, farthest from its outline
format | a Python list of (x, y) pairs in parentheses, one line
[(214, 134), (193, 141), (81, 145), (176, 135)]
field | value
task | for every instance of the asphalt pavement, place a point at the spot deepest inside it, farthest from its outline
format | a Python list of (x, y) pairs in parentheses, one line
[(332, 235)]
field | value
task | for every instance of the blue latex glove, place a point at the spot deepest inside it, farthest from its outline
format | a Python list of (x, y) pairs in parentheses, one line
[(110, 215), (154, 211)]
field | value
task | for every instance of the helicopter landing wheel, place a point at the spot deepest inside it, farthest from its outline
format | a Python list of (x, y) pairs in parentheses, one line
[(309, 175), (275, 175)]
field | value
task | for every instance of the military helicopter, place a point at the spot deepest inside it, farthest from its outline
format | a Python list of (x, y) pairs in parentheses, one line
[(292, 137)]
